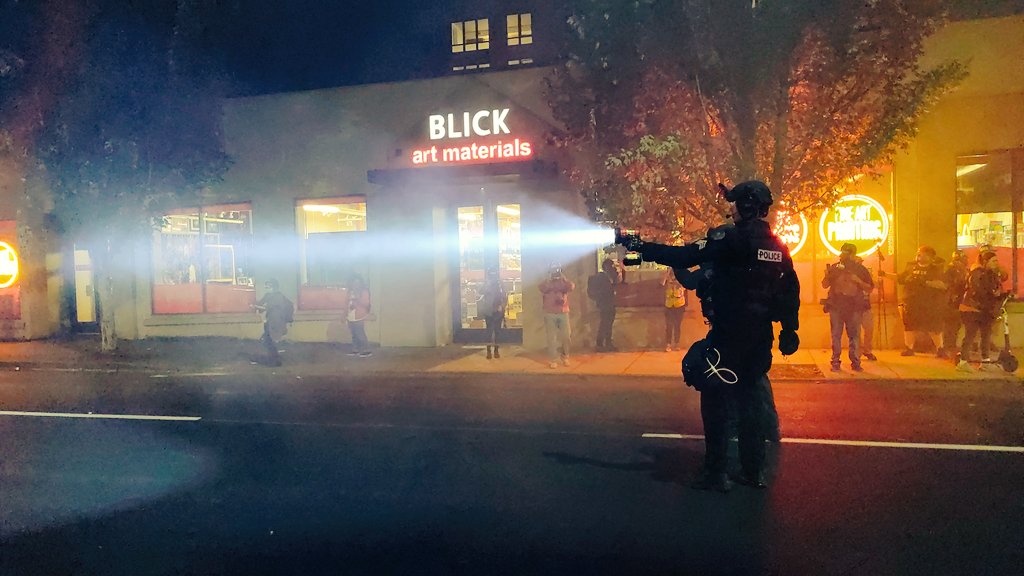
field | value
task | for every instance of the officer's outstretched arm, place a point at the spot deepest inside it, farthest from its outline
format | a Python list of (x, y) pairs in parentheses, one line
[(676, 256)]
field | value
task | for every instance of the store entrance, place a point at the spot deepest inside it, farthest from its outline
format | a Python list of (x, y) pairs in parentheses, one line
[(489, 237), (83, 313)]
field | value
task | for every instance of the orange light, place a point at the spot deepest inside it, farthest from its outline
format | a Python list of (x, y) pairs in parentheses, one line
[(792, 230), (855, 219), (8, 265)]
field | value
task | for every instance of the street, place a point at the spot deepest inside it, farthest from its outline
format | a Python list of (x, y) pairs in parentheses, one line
[(496, 474)]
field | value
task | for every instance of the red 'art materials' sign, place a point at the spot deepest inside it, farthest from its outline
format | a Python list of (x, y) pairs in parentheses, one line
[(488, 127)]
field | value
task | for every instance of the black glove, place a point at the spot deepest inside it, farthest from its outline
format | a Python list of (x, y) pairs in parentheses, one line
[(628, 238), (789, 342)]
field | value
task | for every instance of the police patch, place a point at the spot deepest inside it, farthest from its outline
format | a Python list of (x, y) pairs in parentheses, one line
[(769, 255)]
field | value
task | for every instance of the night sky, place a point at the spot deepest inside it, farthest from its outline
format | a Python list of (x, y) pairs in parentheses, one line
[(304, 44)]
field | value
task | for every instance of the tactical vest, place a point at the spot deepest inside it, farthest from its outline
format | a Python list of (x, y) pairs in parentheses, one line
[(747, 279)]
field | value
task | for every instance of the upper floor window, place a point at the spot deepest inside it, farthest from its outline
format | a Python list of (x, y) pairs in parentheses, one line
[(520, 29), (471, 35)]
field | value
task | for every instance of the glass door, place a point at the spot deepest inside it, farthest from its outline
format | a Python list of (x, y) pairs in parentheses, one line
[(489, 238), (84, 314)]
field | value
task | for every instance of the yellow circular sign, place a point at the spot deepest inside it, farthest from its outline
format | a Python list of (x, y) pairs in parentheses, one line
[(854, 219), (8, 265)]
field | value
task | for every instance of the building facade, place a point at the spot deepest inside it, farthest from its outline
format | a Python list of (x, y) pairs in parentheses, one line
[(420, 186)]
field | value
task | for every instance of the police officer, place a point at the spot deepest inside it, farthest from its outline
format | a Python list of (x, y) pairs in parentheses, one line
[(753, 284)]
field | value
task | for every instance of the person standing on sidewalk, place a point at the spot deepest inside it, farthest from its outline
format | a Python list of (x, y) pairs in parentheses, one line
[(359, 307), (676, 301), (956, 284), (924, 299), (555, 295), (278, 312), (980, 306), (492, 304), (601, 289), (847, 282), (867, 324)]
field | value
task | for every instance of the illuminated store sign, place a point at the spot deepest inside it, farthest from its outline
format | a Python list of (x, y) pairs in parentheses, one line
[(792, 230), (854, 219), (454, 129), (8, 265)]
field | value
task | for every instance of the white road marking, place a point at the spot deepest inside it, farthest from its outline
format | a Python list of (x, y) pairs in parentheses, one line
[(867, 443), (101, 416), (190, 374)]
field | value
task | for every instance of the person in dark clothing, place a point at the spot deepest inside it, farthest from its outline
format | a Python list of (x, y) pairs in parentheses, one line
[(601, 289), (847, 282), (956, 285), (278, 311), (492, 306), (980, 307), (752, 284), (924, 298)]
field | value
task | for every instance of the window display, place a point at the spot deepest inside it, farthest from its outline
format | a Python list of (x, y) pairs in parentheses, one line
[(202, 261), (989, 211)]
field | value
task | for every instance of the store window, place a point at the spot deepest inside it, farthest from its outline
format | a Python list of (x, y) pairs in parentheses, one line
[(202, 260), (489, 237), (470, 36), (332, 233), (989, 208), (519, 28)]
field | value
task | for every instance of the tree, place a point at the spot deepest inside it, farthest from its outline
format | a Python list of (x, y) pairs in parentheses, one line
[(137, 130), (664, 99)]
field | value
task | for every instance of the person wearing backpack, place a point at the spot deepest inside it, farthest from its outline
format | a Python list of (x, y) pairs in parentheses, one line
[(492, 306), (980, 306), (278, 312)]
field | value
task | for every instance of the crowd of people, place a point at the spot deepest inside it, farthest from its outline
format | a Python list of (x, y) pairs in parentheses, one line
[(941, 301), (939, 298)]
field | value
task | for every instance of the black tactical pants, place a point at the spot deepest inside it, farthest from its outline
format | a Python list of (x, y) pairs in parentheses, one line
[(748, 398), (604, 328)]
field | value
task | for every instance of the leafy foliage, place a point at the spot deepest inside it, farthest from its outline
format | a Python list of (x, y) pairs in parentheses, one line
[(138, 129), (663, 99)]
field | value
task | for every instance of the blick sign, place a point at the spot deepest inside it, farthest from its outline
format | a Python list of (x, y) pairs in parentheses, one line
[(480, 128)]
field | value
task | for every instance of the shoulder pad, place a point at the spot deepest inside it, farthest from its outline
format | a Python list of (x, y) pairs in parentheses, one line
[(720, 232)]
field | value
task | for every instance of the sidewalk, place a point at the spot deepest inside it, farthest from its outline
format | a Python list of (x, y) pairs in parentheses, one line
[(220, 356)]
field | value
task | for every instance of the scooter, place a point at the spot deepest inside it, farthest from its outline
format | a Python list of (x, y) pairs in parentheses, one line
[(1006, 359)]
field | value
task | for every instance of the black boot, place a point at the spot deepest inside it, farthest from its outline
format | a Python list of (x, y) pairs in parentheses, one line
[(496, 353), (488, 352)]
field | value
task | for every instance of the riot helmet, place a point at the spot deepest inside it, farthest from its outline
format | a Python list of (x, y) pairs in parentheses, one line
[(752, 198)]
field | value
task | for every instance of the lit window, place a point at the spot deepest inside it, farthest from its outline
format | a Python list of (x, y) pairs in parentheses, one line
[(471, 35), (519, 28), (202, 260), (520, 61), (987, 213), (331, 233)]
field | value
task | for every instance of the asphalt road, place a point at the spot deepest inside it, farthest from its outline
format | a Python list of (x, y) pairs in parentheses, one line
[(458, 475)]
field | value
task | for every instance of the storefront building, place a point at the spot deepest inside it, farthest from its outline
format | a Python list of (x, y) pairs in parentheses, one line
[(420, 186)]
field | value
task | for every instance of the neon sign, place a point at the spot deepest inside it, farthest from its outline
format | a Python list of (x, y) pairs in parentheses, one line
[(791, 229), (857, 220), (480, 124), (8, 265)]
